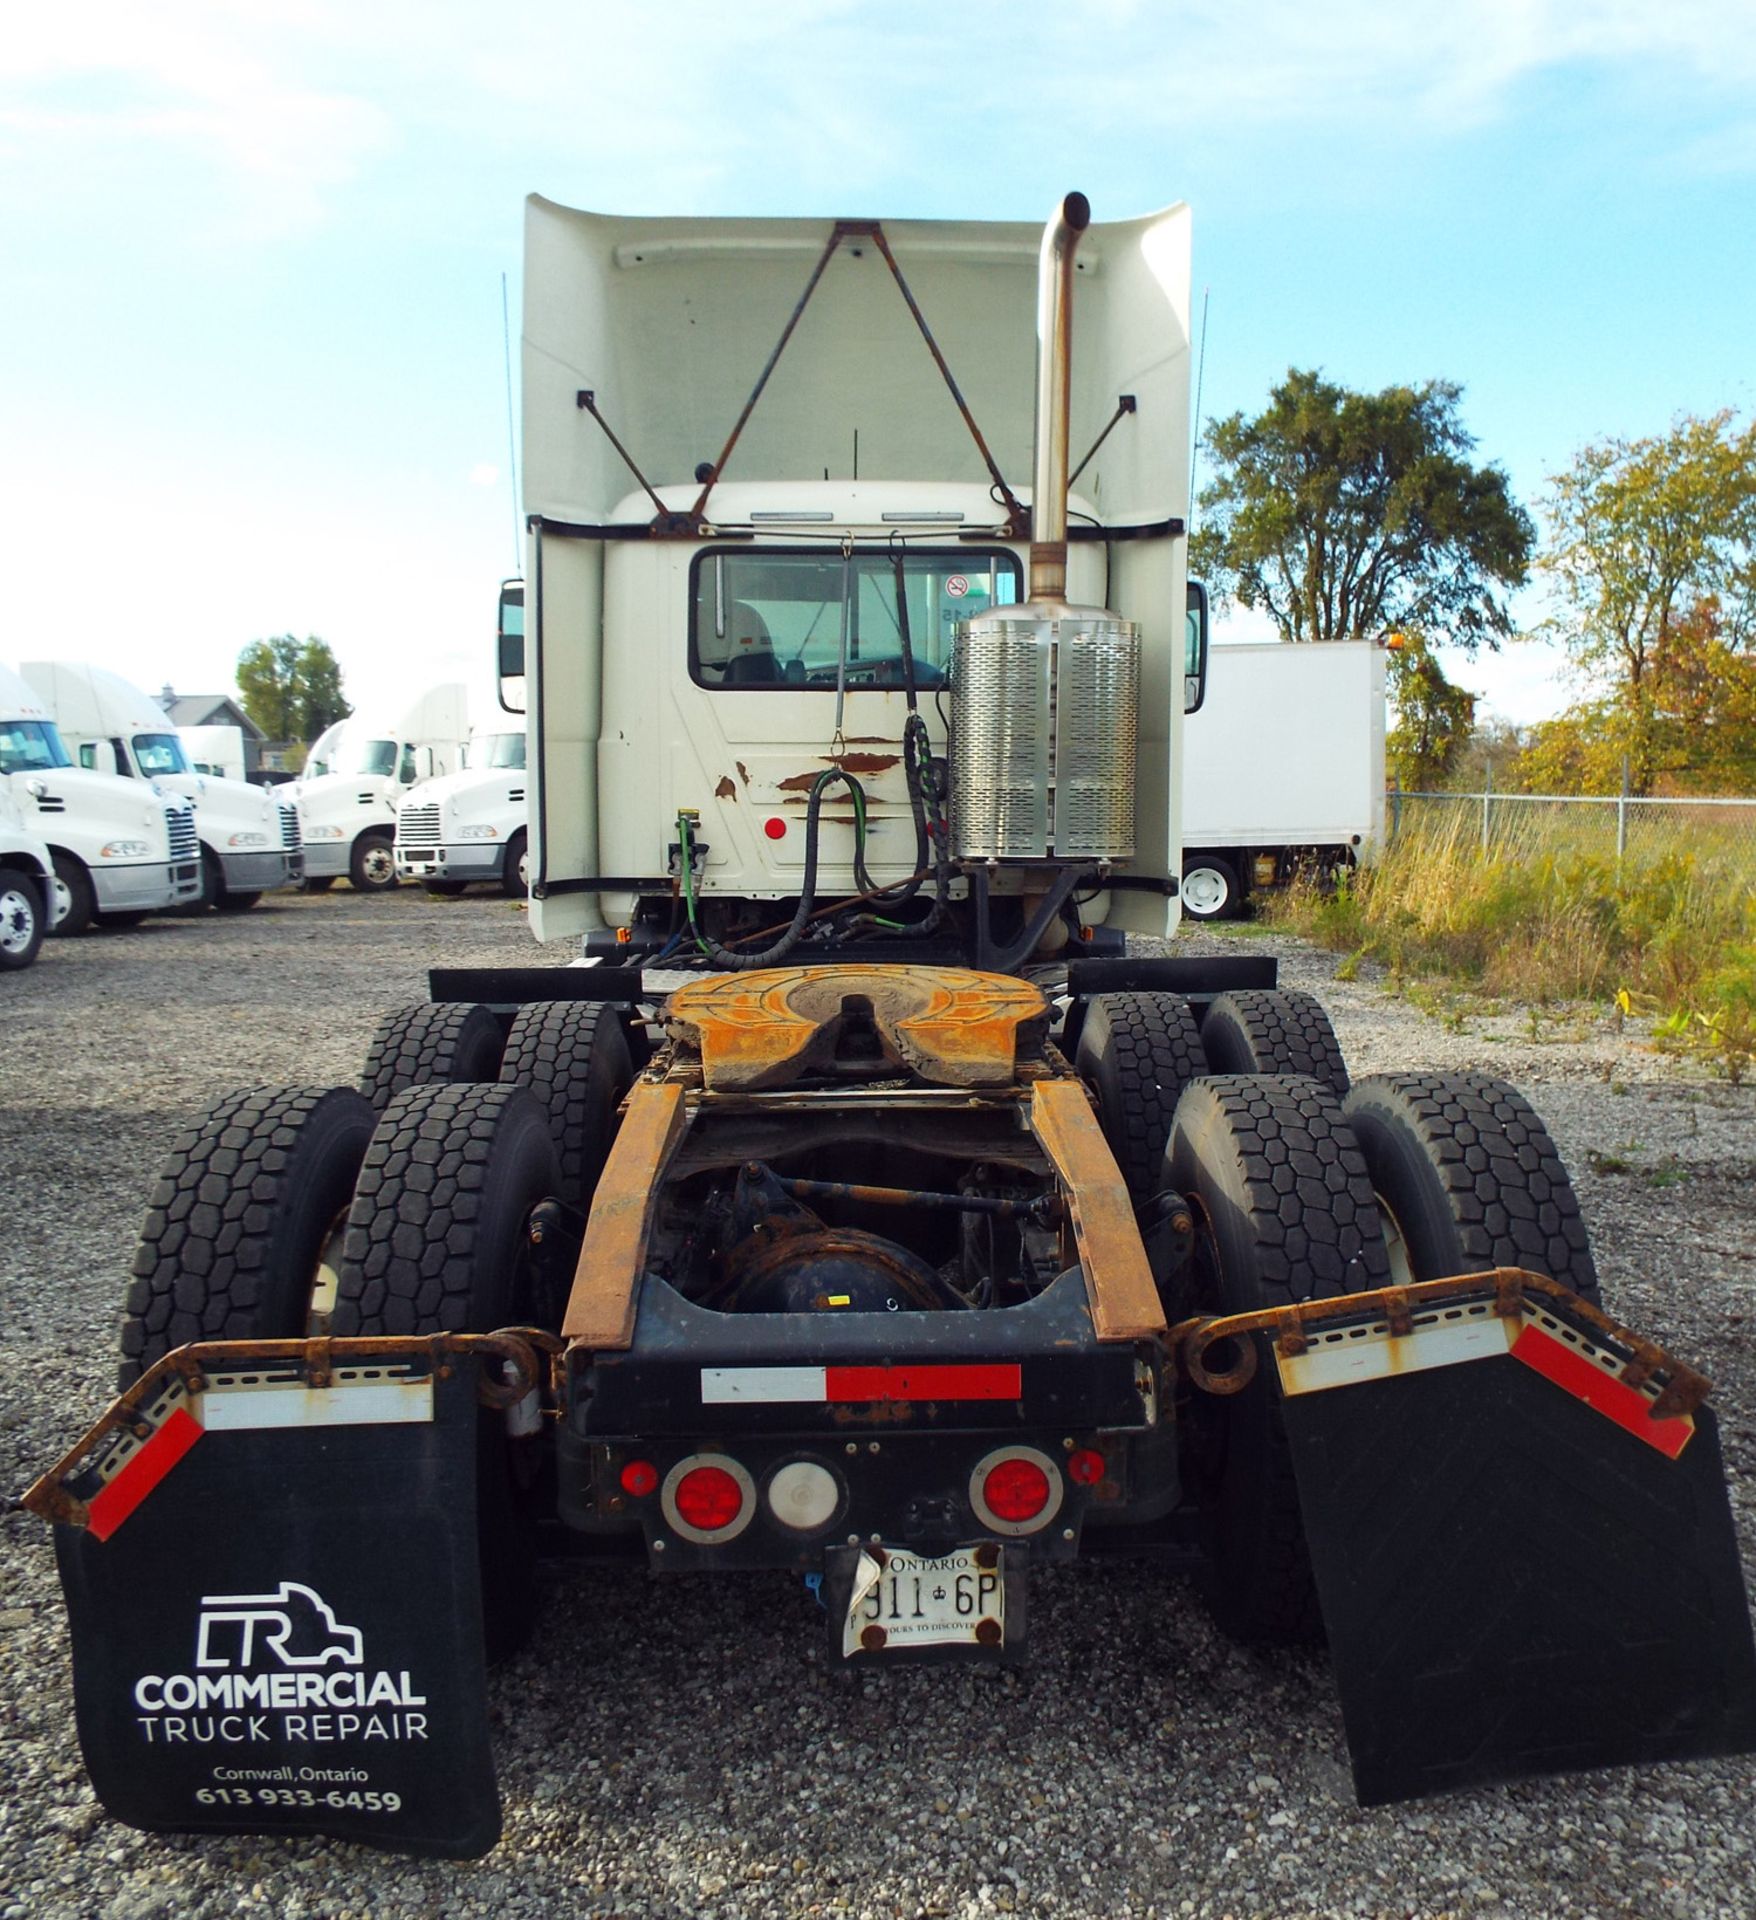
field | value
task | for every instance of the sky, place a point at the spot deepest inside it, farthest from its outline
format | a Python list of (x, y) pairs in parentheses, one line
[(252, 363)]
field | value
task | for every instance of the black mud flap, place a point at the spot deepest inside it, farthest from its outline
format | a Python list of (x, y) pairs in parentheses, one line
[(276, 1614), (1519, 1572)]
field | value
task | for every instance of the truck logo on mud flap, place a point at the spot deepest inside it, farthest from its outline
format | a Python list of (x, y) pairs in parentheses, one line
[(280, 1668), (296, 1623)]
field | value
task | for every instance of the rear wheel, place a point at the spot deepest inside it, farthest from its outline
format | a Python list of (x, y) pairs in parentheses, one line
[(1284, 1212), (573, 1056), (1137, 1052), (1468, 1178), (21, 919), (241, 1237), (372, 863), (433, 1042), (437, 1242), (1260, 1031), (1211, 888), (515, 874), (81, 901)]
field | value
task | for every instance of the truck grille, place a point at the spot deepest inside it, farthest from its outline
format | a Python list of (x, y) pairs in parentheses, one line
[(289, 828), (417, 827), (181, 822)]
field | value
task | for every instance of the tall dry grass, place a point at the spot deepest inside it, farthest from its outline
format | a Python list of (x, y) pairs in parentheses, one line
[(1536, 919)]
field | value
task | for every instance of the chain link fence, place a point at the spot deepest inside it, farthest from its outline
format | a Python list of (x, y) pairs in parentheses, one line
[(1716, 833)]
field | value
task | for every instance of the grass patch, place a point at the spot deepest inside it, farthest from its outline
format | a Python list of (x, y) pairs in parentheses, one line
[(1543, 922)]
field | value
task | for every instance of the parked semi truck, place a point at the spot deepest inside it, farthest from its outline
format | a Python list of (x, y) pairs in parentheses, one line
[(473, 824), (32, 900), (216, 751), (1283, 770), (249, 842), (356, 773), (119, 849), (911, 1244)]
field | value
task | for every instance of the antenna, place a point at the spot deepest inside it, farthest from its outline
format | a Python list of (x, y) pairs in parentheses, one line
[(1200, 378), (511, 438)]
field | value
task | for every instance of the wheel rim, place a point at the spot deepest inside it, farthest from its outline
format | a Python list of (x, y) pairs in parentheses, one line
[(1402, 1273), (1204, 891), (18, 921), (320, 1312), (524, 870), (378, 865)]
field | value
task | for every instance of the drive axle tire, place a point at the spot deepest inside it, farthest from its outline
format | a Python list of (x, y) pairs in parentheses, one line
[(1211, 889), (437, 1243), (372, 863), (246, 1203), (81, 900), (22, 919), (1468, 1179), (1278, 1031), (573, 1056), (433, 1042), (1136, 1053), (1284, 1212)]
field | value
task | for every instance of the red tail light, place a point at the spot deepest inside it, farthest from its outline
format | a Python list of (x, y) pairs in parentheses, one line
[(1017, 1490), (709, 1498)]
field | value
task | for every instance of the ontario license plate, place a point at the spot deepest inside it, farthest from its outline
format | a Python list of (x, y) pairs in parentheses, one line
[(901, 1600)]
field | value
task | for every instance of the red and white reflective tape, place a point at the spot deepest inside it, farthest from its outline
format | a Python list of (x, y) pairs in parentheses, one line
[(1451, 1335), (132, 1468), (827, 1386)]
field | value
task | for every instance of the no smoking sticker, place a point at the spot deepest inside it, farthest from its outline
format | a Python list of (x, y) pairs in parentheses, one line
[(956, 586)]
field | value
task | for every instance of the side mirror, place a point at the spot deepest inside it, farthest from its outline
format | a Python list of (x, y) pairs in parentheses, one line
[(1195, 649), (510, 661)]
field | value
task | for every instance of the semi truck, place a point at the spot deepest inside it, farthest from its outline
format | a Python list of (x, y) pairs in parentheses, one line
[(472, 825), (32, 900), (1283, 770), (118, 849), (216, 751), (249, 841), (356, 773), (863, 1213)]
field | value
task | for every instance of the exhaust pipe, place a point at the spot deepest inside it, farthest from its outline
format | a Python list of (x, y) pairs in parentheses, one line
[(1048, 546)]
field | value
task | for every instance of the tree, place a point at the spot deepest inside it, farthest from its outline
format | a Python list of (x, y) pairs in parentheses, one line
[(1345, 514), (291, 688), (1435, 720), (1652, 566)]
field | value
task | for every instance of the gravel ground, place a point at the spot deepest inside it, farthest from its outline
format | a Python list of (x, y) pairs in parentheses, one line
[(687, 1751)]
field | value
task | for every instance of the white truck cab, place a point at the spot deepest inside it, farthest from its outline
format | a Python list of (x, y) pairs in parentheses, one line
[(355, 774), (119, 849), (32, 900), (472, 824), (249, 842)]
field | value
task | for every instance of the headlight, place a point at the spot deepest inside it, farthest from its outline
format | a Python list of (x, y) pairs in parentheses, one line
[(248, 840), (477, 833), (323, 833), (124, 850)]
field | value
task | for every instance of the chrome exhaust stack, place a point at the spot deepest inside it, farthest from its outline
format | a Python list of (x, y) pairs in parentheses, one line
[(1048, 511), (1046, 696)]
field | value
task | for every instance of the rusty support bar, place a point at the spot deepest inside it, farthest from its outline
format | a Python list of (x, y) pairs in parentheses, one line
[(909, 1197), (587, 402), (1125, 403)]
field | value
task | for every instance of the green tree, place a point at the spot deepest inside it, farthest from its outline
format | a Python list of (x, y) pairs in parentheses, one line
[(1344, 514), (291, 688), (1644, 535), (1435, 720)]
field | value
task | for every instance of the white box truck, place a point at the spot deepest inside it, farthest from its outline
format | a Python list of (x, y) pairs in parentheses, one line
[(357, 771), (121, 849), (1283, 769), (249, 841)]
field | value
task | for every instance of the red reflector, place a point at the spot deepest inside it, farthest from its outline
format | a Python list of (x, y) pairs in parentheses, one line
[(1016, 1490), (1612, 1398), (1086, 1467), (774, 827), (708, 1498), (980, 1382), (112, 1504), (639, 1478)]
